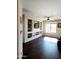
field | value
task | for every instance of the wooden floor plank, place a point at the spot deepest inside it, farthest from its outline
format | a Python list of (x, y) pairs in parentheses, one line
[(41, 49)]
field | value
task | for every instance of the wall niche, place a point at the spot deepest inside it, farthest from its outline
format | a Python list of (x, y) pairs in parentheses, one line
[(29, 25)]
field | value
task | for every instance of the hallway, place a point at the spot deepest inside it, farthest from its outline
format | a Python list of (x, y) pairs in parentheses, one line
[(41, 48)]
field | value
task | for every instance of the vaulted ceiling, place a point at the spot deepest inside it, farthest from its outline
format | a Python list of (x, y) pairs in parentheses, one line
[(42, 7)]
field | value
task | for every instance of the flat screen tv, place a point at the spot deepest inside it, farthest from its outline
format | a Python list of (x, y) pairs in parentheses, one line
[(36, 25)]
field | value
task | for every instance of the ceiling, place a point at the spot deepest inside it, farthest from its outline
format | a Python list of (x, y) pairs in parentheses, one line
[(42, 7)]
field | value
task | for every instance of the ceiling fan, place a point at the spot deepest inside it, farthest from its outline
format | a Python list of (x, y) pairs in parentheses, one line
[(48, 17)]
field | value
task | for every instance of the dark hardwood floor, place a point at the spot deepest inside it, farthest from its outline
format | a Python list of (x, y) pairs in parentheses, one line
[(41, 49)]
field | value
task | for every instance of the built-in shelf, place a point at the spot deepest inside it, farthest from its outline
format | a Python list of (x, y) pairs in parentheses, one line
[(34, 29), (29, 25), (29, 35)]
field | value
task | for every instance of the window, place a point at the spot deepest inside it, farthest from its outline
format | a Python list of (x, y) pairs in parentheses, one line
[(50, 28)]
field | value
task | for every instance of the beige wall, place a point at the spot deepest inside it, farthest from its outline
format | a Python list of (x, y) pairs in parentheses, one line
[(58, 30)]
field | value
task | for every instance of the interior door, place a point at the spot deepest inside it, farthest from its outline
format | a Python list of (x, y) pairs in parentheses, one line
[(23, 18)]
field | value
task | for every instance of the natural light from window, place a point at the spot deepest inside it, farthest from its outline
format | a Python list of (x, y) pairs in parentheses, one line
[(49, 39), (50, 28)]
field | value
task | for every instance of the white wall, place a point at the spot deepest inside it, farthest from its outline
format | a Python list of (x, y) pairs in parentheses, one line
[(20, 37), (58, 30)]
